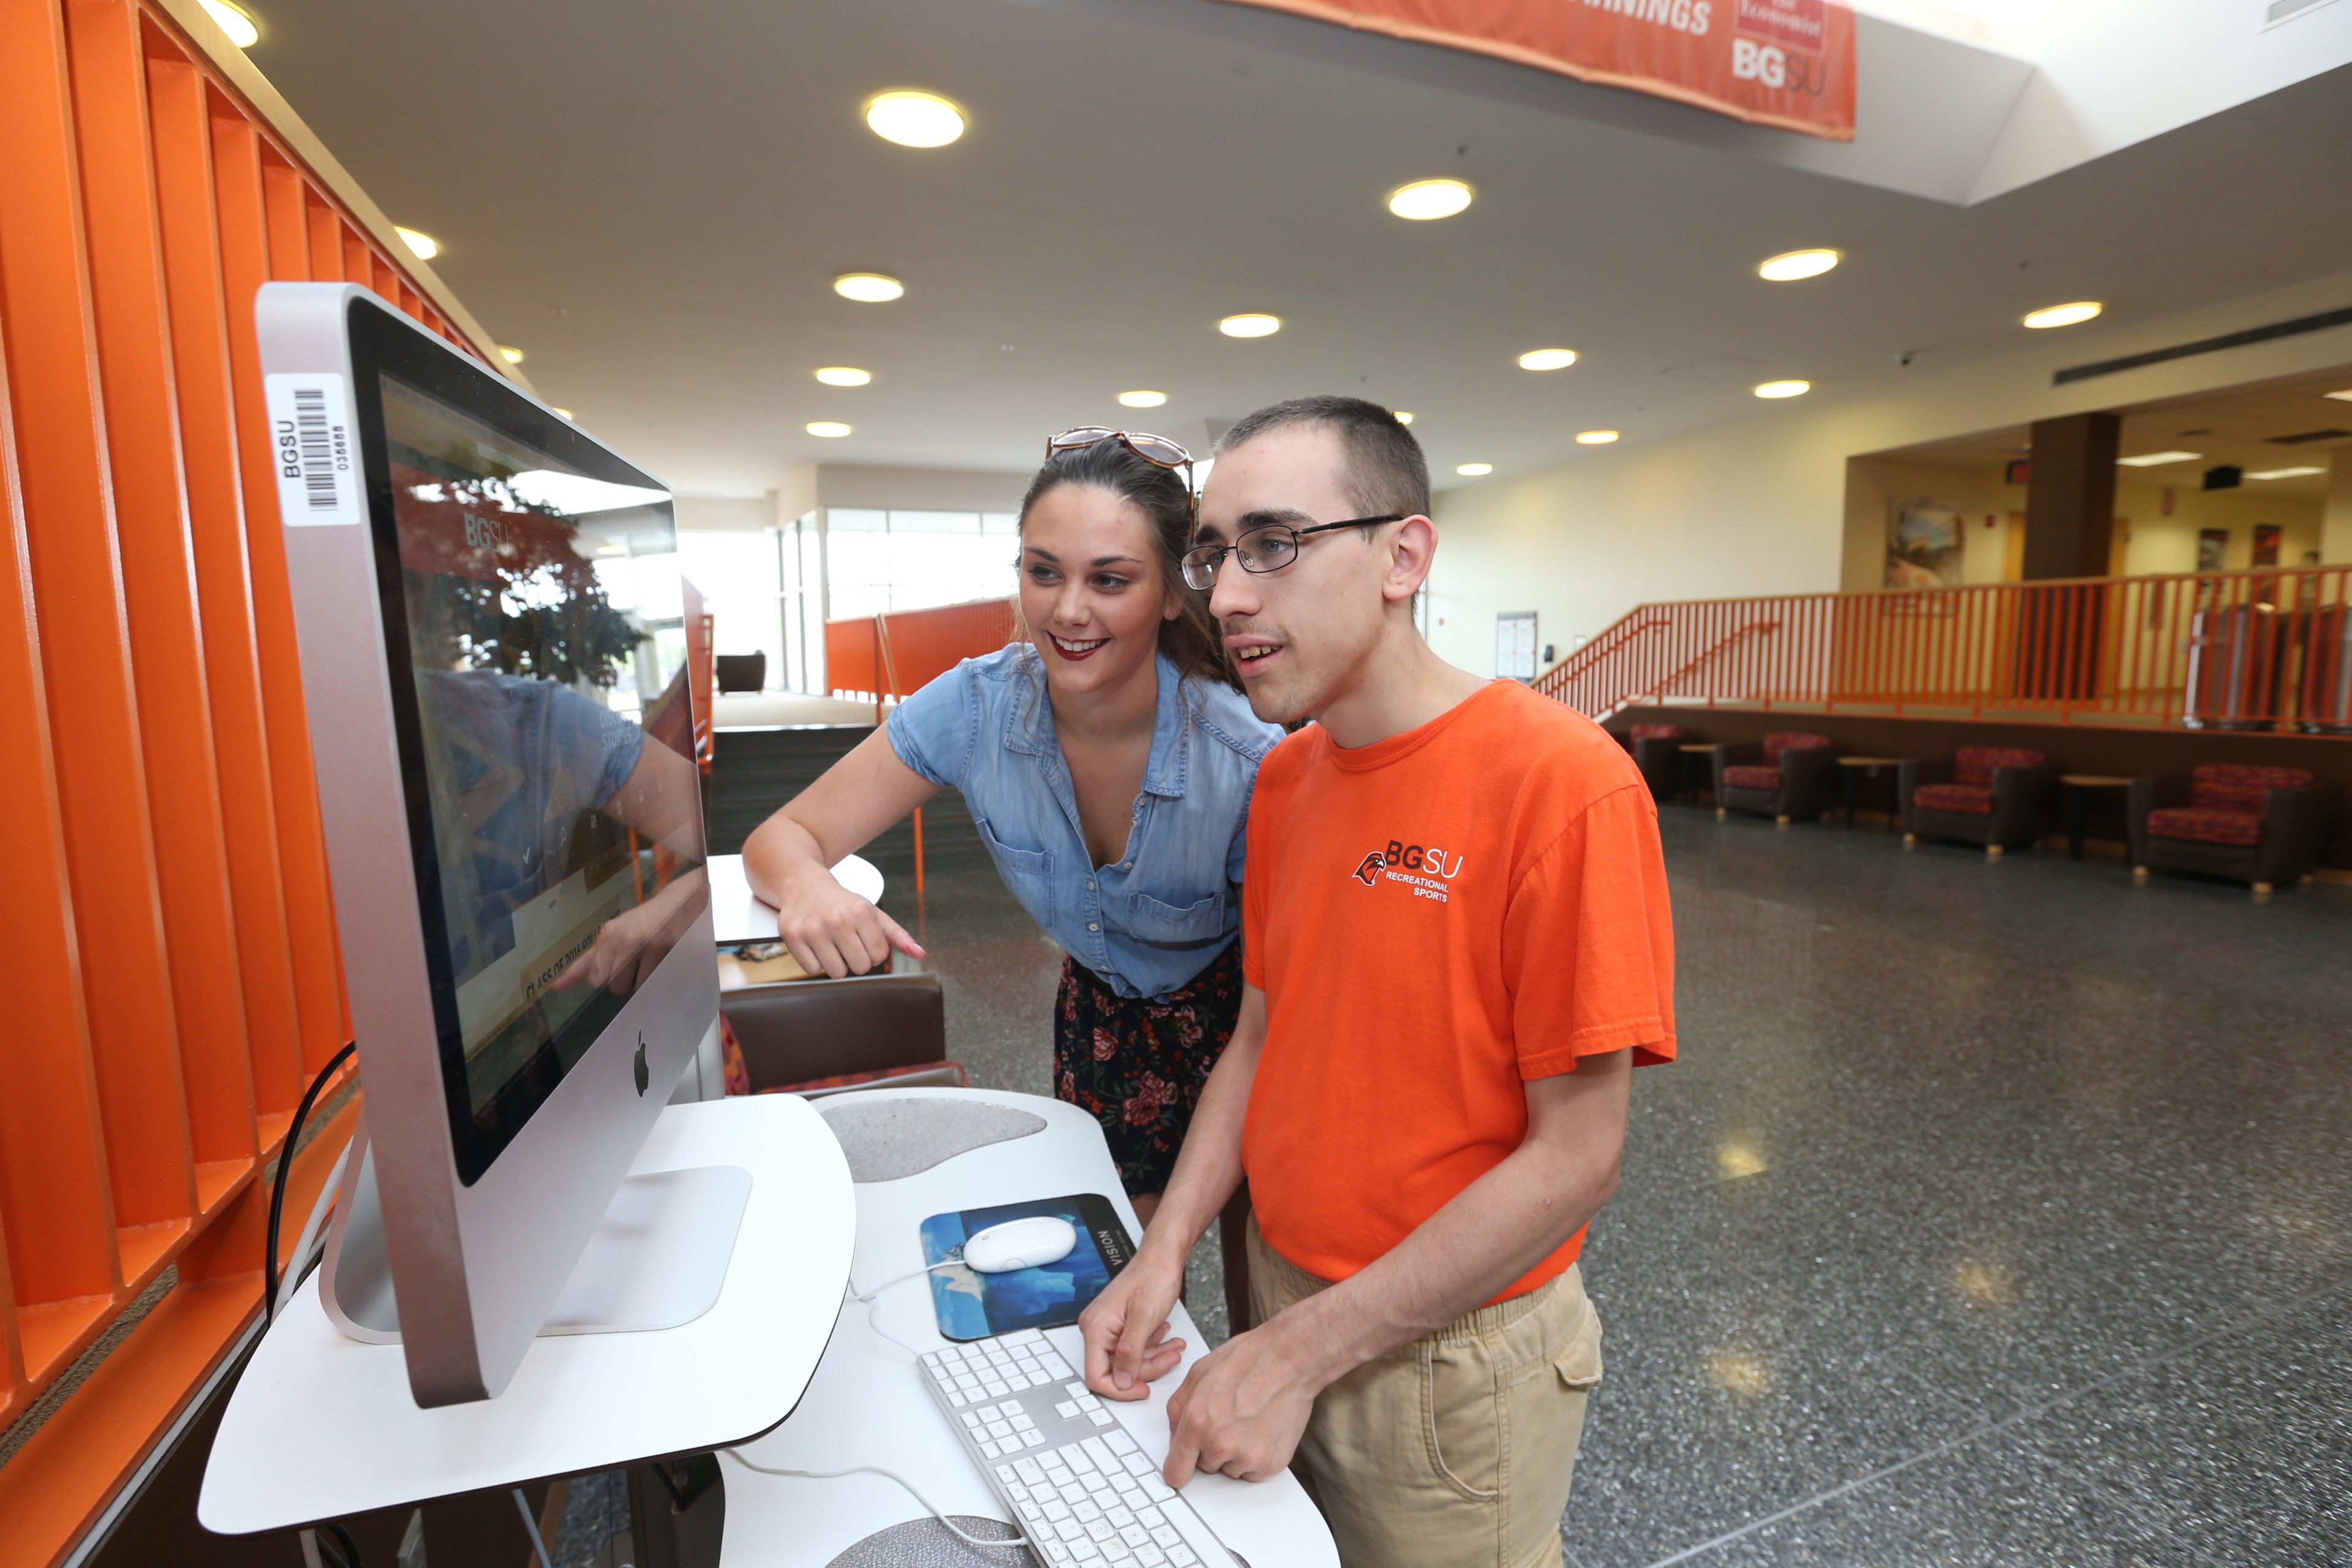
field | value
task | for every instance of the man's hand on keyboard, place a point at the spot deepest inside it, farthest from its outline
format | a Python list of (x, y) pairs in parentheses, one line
[(1242, 1411), (1124, 1351)]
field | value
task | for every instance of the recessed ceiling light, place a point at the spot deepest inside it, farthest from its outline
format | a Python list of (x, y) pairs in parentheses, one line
[(914, 119), (844, 376), (1547, 359), (234, 22), (1250, 324), (831, 429), (1474, 470), (868, 287), (1403, 417), (1790, 388), (2285, 473), (1142, 399), (1595, 438), (509, 353), (566, 412), (2150, 459), (421, 246), (2343, 396), (2064, 315), (1426, 199), (1791, 265)]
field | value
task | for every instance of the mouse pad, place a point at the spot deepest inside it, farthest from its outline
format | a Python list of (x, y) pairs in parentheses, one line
[(973, 1305)]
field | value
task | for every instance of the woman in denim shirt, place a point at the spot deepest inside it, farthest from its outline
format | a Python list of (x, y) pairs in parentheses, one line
[(1108, 762)]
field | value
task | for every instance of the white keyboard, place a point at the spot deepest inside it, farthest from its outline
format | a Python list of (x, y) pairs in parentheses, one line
[(1084, 1491)]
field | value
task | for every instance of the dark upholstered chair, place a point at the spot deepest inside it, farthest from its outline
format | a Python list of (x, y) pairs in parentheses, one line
[(827, 1037), (741, 671), (1657, 752), (2263, 825), (1789, 776), (1996, 797)]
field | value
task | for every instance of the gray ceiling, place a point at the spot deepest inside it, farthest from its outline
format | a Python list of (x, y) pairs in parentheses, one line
[(651, 200)]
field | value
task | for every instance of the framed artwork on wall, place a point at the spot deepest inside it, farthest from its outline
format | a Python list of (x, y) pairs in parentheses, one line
[(1923, 544), (2213, 549), (2266, 544)]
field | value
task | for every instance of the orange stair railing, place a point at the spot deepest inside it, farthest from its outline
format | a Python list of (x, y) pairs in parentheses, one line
[(2266, 649), (926, 644)]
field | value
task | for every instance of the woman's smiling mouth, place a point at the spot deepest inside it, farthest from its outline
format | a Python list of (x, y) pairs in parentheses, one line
[(1078, 650)]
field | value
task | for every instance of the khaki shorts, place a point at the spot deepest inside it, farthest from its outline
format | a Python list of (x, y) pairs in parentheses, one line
[(1456, 1450)]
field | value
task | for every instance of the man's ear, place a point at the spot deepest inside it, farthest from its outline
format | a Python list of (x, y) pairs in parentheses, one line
[(1411, 548)]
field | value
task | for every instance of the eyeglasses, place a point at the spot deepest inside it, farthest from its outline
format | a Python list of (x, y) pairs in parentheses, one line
[(1267, 548), (1157, 450)]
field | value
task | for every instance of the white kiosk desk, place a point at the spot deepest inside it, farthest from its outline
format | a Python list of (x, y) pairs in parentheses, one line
[(321, 1427), (737, 915), (868, 1404)]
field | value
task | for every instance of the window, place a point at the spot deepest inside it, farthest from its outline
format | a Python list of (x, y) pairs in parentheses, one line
[(879, 560)]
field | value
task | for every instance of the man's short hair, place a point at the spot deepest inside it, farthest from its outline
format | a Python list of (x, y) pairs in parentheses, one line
[(1385, 470)]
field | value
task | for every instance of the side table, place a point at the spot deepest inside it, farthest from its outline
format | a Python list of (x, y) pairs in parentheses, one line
[(2078, 787), (1690, 749), (1872, 767)]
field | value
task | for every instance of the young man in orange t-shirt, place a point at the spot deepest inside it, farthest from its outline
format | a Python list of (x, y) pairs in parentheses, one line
[(1458, 947)]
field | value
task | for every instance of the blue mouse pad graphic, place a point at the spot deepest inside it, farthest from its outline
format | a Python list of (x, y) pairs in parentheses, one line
[(973, 1305)]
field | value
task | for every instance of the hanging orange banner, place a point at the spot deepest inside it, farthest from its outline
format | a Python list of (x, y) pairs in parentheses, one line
[(1785, 63)]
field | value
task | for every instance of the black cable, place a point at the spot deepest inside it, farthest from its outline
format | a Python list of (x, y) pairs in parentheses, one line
[(345, 1546), (278, 1185)]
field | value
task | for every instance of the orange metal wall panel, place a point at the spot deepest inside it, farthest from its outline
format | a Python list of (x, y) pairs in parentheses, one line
[(301, 843), (159, 584), (185, 187), (57, 1484), (56, 1208), (287, 255), (326, 236), (177, 973), (86, 657)]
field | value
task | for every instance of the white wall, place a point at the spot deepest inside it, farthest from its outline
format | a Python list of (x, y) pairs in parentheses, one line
[(2335, 534), (919, 489), (2161, 543), (1758, 505)]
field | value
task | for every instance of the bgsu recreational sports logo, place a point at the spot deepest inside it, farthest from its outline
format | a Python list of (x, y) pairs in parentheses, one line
[(1424, 870)]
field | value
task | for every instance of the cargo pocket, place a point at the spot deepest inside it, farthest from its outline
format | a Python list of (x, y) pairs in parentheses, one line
[(1577, 1362), (1156, 924)]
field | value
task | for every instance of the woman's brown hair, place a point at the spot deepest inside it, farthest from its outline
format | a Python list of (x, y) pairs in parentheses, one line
[(1191, 640)]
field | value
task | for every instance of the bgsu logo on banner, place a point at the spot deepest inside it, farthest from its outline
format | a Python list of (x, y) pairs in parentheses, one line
[(1425, 872)]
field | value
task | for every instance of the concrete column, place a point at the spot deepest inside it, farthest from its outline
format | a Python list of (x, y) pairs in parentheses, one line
[(2336, 522), (2070, 499)]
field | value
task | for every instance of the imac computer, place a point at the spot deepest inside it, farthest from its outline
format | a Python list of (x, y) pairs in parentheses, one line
[(488, 614)]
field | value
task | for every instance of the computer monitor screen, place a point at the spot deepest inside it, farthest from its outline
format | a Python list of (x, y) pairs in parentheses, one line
[(553, 739)]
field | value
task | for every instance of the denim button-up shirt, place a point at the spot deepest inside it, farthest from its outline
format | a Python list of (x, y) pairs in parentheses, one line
[(1155, 918)]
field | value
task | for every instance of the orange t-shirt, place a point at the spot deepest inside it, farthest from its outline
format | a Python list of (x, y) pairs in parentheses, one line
[(1435, 919)]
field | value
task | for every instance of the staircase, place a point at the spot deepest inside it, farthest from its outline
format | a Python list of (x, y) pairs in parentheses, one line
[(753, 772)]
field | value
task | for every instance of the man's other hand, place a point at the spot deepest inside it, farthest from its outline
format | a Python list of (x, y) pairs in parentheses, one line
[(1242, 1411), (1126, 1329)]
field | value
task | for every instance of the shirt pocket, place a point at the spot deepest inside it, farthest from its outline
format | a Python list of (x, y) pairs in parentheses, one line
[(1029, 873), (1155, 924)]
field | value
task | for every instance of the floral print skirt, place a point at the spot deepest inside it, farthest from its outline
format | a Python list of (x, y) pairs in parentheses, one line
[(1137, 1064)]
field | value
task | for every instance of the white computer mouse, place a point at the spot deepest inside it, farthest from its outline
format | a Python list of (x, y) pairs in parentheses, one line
[(1030, 1242)]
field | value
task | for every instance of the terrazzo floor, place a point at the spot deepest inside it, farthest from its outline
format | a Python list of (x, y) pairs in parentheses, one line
[(1995, 1214)]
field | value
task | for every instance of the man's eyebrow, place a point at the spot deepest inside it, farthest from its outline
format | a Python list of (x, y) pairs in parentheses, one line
[(1265, 517)]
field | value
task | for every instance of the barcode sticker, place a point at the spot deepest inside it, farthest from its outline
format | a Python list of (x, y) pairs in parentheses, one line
[(311, 444)]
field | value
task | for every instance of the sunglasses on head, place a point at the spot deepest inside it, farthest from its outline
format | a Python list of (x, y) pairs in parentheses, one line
[(1157, 450)]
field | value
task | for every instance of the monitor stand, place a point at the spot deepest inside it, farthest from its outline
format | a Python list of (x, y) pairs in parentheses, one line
[(658, 1259)]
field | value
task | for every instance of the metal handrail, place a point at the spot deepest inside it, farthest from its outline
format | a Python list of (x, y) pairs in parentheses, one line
[(2259, 648)]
